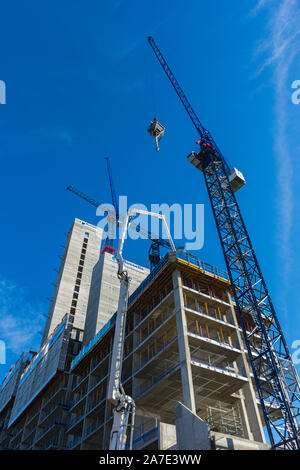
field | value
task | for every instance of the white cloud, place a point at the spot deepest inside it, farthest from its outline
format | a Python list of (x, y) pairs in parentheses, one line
[(20, 318), (278, 51)]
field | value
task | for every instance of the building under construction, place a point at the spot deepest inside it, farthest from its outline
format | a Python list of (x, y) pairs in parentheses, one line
[(184, 354), (183, 346), (35, 395), (179, 355)]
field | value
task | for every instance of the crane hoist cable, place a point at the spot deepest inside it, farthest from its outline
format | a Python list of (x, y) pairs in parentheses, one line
[(155, 129)]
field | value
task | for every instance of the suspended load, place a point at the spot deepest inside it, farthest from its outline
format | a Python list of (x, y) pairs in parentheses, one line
[(157, 130)]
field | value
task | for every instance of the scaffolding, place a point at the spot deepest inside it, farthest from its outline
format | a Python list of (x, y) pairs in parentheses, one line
[(224, 419)]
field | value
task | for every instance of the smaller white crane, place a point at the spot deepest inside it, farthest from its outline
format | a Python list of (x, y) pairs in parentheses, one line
[(124, 406)]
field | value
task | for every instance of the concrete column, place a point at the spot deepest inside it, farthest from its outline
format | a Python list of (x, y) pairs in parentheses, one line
[(84, 427), (244, 417), (107, 404), (183, 346), (253, 414)]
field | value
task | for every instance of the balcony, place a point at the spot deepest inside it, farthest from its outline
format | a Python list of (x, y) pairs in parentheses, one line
[(75, 403), (211, 317), (61, 389), (75, 421), (43, 432), (79, 382), (146, 360), (212, 340), (29, 432), (92, 406), (48, 413), (74, 443)]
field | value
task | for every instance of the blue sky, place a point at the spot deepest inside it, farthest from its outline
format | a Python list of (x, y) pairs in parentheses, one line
[(79, 88)]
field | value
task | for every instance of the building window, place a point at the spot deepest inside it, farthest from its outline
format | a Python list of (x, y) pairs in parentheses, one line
[(75, 296), (83, 251), (80, 269), (79, 275), (86, 234), (81, 263), (76, 288), (78, 282), (74, 303), (72, 311), (85, 240), (82, 257)]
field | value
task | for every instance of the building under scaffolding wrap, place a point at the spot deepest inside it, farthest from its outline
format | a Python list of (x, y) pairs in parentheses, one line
[(184, 359), (36, 416)]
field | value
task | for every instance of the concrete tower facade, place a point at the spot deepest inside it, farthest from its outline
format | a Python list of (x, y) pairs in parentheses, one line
[(72, 287)]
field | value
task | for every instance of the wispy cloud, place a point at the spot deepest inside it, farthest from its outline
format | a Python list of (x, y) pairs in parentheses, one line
[(258, 7), (115, 6), (20, 318), (124, 51), (278, 51), (52, 134)]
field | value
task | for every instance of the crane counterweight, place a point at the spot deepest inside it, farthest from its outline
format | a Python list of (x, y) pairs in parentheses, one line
[(235, 177)]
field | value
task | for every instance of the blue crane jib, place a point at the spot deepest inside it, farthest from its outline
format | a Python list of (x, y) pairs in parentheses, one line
[(275, 376), (108, 245)]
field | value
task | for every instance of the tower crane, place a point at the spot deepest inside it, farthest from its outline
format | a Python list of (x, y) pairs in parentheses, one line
[(112, 189), (108, 247), (274, 373), (124, 406), (157, 242)]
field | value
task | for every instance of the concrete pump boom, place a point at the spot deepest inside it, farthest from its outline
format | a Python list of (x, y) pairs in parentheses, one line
[(124, 406)]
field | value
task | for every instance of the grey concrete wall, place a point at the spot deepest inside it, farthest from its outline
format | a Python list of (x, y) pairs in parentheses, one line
[(228, 442), (104, 292), (191, 431)]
